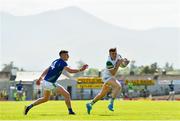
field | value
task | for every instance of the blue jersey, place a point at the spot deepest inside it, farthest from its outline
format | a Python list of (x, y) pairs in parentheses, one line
[(55, 70), (171, 86), (19, 87)]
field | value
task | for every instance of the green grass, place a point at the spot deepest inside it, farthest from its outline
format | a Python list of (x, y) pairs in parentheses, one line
[(124, 110)]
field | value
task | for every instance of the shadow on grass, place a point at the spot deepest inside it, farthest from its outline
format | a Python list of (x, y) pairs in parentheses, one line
[(106, 115), (49, 115)]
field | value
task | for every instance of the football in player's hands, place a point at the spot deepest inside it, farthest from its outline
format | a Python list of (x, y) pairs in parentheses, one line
[(124, 62)]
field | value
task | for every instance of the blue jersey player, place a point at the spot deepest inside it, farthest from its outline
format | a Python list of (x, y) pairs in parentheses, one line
[(50, 76), (171, 92)]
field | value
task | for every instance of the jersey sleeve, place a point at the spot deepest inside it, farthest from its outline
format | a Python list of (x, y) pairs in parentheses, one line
[(109, 65), (65, 64)]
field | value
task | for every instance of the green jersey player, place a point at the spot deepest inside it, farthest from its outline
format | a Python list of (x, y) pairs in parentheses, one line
[(113, 63)]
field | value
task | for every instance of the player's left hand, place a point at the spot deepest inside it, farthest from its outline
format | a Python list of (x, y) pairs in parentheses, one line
[(126, 61)]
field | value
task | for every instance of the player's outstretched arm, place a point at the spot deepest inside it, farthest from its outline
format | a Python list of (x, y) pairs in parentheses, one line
[(84, 67), (42, 76)]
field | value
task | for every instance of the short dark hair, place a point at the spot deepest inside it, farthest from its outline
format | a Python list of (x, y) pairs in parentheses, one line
[(62, 52), (112, 50)]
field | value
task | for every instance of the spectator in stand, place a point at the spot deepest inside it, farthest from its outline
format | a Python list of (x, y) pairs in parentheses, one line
[(171, 92)]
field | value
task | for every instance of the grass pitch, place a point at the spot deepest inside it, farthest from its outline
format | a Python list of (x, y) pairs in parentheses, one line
[(124, 110)]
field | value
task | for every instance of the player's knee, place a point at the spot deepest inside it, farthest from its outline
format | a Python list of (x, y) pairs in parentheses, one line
[(101, 95), (67, 95)]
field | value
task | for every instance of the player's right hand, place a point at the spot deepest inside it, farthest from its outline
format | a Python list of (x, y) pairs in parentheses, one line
[(118, 63)]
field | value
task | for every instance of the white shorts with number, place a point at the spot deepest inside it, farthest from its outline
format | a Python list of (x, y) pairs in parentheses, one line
[(50, 86)]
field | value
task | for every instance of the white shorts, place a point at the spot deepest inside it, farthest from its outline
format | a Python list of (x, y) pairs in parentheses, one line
[(19, 91), (106, 76), (107, 79), (172, 92), (50, 86)]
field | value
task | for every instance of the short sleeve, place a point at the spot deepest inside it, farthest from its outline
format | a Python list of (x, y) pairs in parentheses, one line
[(109, 65), (65, 64)]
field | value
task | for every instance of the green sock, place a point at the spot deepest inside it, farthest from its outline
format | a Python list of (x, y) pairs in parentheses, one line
[(112, 101), (92, 102)]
